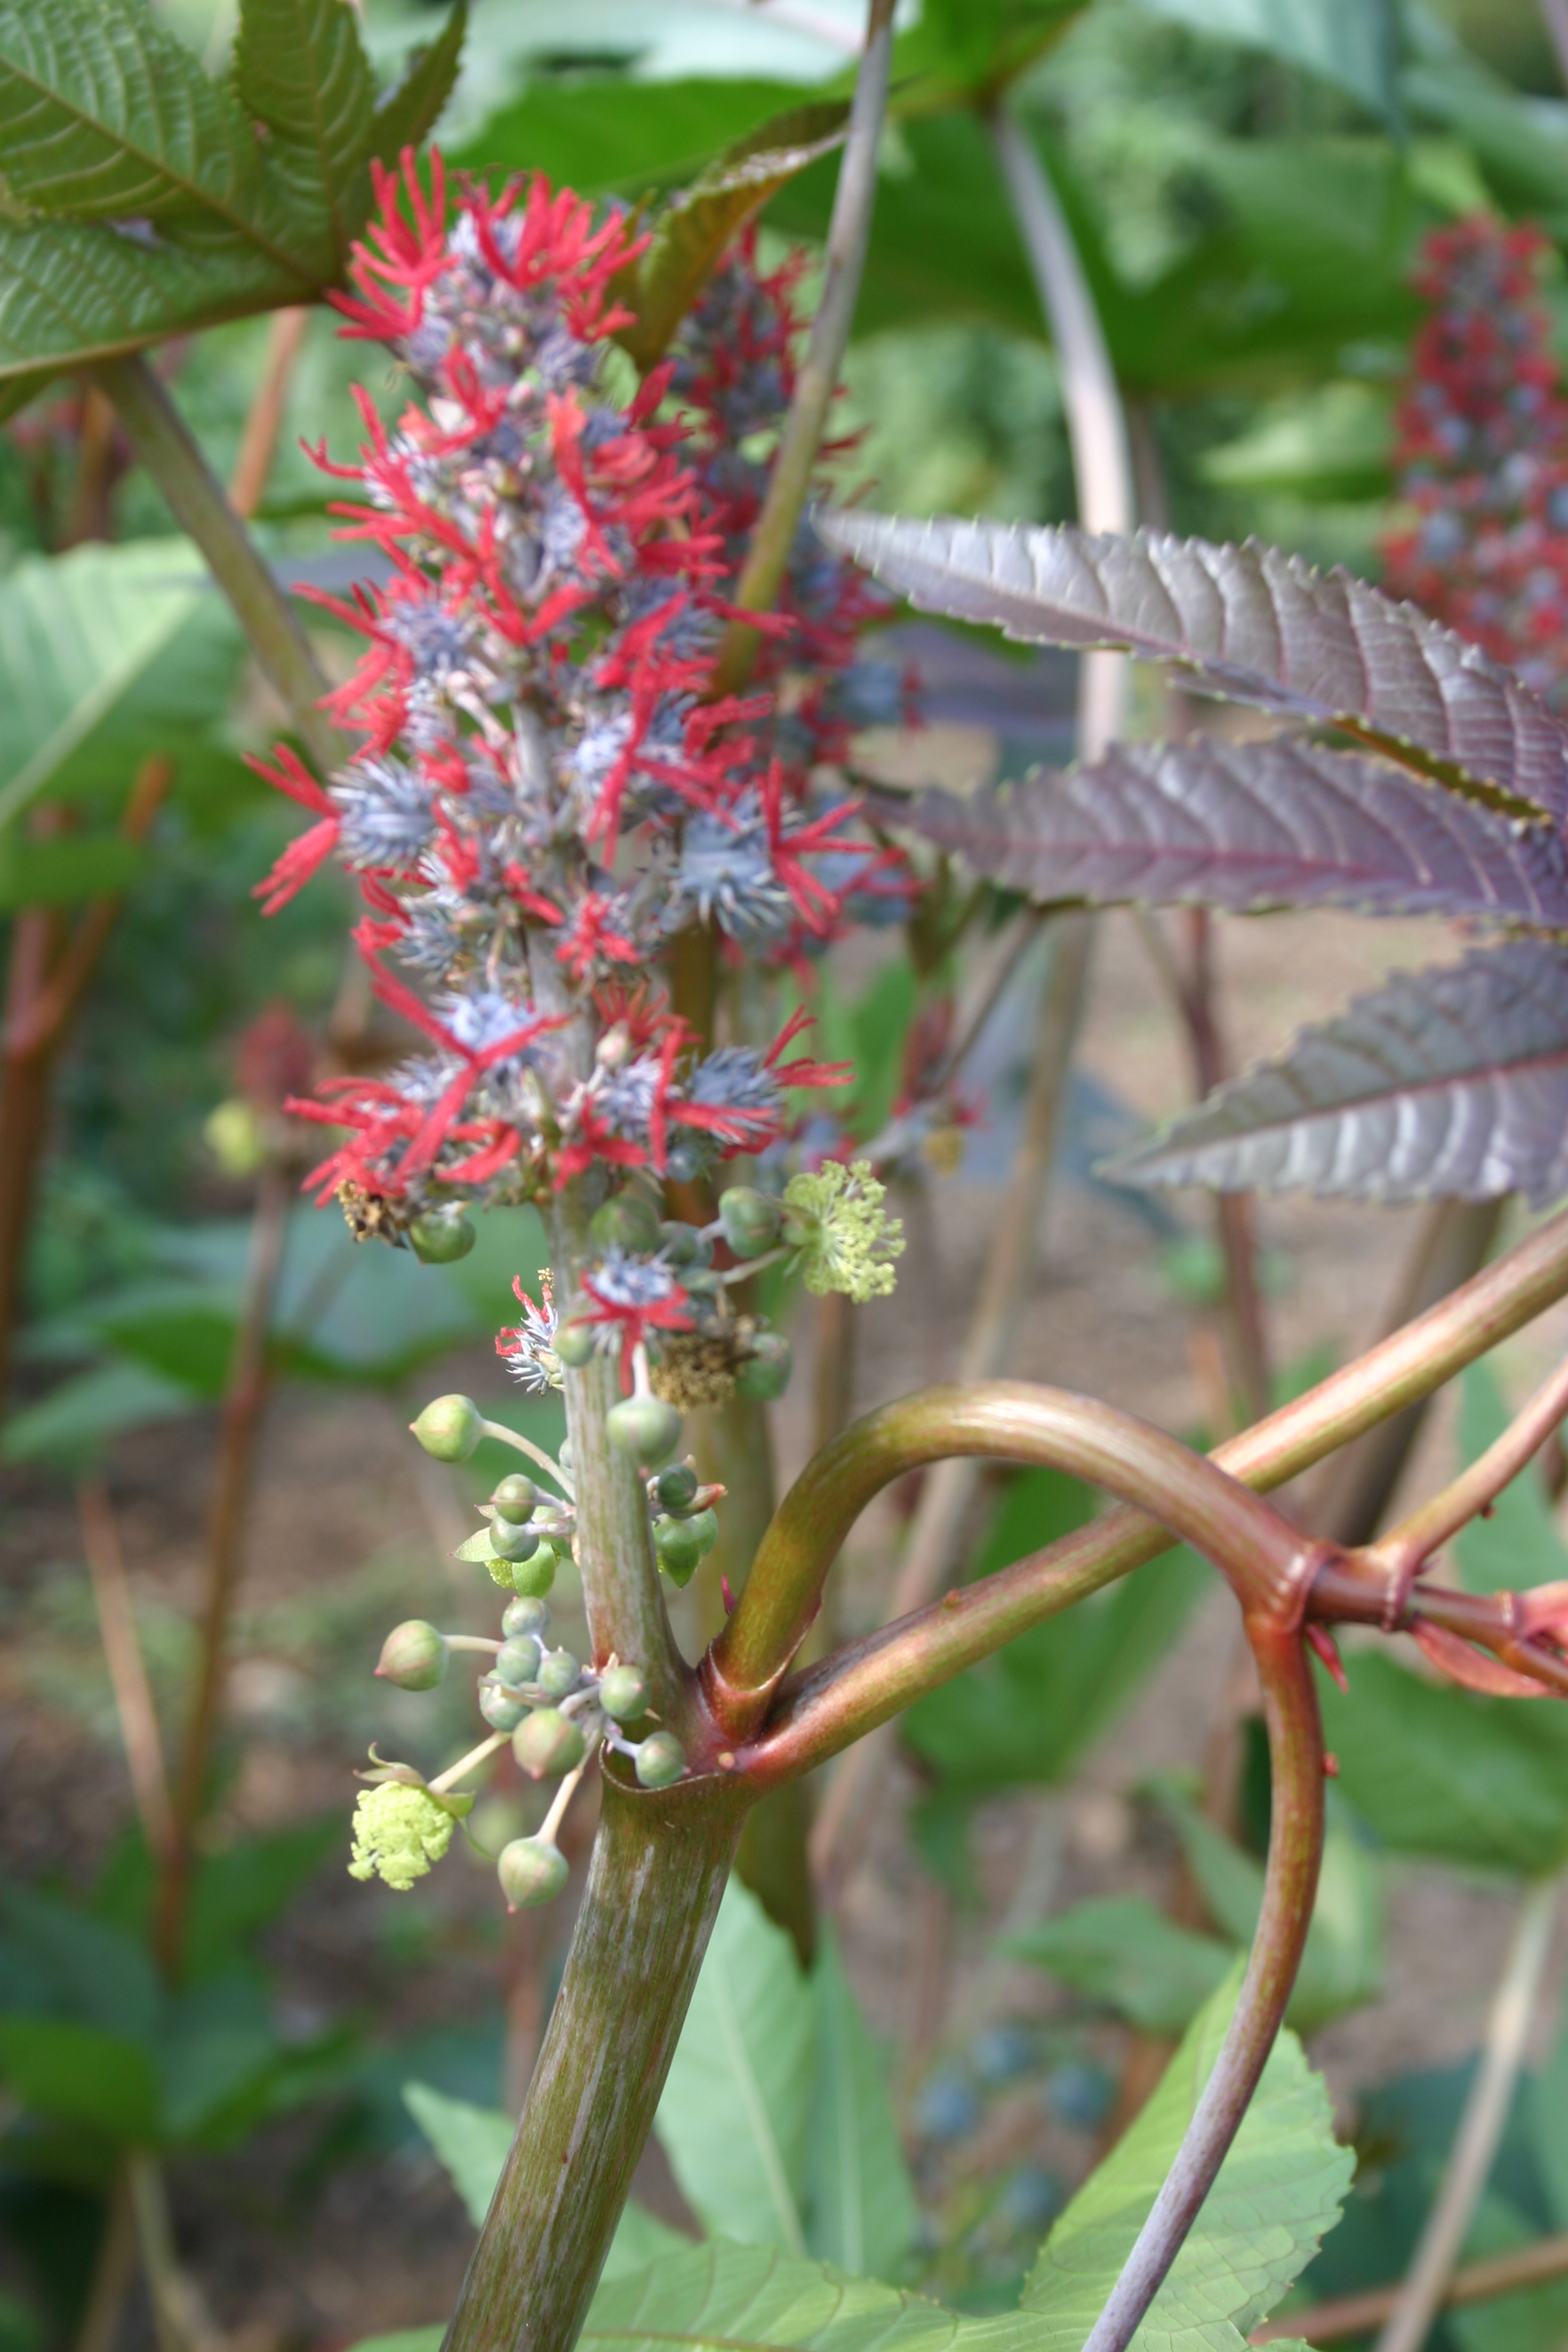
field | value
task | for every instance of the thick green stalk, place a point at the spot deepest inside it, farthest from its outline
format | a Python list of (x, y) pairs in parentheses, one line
[(657, 1873), (166, 446)]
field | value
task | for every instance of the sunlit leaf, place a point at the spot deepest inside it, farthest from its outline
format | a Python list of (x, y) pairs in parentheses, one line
[(1451, 1082), (1248, 826), (407, 114), (1120, 1950), (603, 133), (862, 2209), (1279, 2190), (1354, 43), (300, 70), (1250, 622)]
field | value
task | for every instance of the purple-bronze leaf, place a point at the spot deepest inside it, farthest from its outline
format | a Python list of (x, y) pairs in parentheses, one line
[(1447, 1084), (1250, 826), (1251, 623)]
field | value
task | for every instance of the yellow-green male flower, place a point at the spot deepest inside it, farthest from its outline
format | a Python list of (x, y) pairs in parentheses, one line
[(398, 1832), (846, 1239)]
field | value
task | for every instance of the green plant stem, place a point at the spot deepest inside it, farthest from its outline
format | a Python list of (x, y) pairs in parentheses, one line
[(822, 1710), (169, 450), (1482, 2125), (1404, 1551), (245, 1395), (113, 2269), (658, 1870), (817, 379), (1295, 1851), (536, 1454)]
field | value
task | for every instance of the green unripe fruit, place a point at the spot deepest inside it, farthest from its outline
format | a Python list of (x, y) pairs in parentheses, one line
[(533, 1577), (516, 1499), (623, 1694), (675, 1486), (502, 1709), (413, 1656), (574, 1345), (530, 1873), (559, 1673), (441, 1238), (683, 1245), (564, 1455), (517, 1660), (682, 1544), (765, 1372), (749, 1220), (548, 1742), (524, 1616), (645, 1427), (630, 1220), (659, 1760), (449, 1428), (512, 1543)]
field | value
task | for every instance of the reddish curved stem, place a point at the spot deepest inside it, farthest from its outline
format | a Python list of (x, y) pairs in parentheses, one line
[(1295, 1851)]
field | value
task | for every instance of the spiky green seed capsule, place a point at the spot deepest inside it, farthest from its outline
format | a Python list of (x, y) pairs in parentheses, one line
[(502, 1709), (524, 1616), (516, 1499), (530, 1873), (683, 1245), (517, 1660), (441, 1238), (645, 1427), (398, 1832), (574, 1346), (623, 1694), (765, 1373), (659, 1760), (559, 1673), (629, 1221), (683, 1544), (413, 1656), (749, 1220), (449, 1428), (548, 1743), (675, 1487)]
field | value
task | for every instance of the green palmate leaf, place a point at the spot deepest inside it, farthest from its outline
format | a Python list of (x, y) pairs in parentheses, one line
[(82, 2075), (1343, 1963), (1449, 1084), (1439, 1772), (59, 873), (1520, 146), (300, 69), (1354, 43), (605, 133), (408, 112), (968, 49), (736, 2109), (863, 2212), (106, 654), (1121, 1951), (472, 2142), (1250, 623), (1518, 1544), (756, 2295), (77, 1419), (1280, 2188), (692, 231)]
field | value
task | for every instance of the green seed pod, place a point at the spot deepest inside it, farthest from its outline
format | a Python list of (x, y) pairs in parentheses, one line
[(513, 1543), (675, 1486), (547, 1743), (517, 1660), (574, 1345), (524, 1616), (449, 1428), (765, 1371), (623, 1694), (413, 1656), (516, 1499), (660, 1760), (502, 1709), (559, 1673), (530, 1873), (682, 1544), (630, 1220), (564, 1455), (645, 1427), (534, 1577), (441, 1237), (683, 1245), (750, 1221)]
